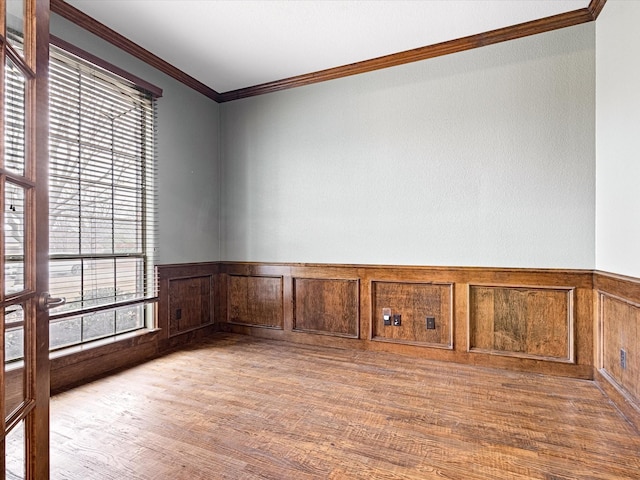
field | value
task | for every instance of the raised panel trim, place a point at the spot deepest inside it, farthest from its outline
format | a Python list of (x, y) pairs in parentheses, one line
[(460, 277), (212, 302), (371, 337), (571, 302), (324, 332), (600, 329), (621, 299), (602, 345), (255, 325), (619, 286), (626, 290)]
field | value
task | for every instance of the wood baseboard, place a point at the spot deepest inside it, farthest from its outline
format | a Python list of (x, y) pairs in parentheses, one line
[(78, 365), (621, 399)]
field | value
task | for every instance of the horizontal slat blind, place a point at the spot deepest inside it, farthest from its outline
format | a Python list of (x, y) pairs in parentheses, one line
[(13, 160), (102, 214), (14, 119)]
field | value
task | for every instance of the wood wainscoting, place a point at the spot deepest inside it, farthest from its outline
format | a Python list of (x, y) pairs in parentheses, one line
[(618, 341), (522, 319), (254, 300), (414, 303), (326, 305), (573, 323), (187, 297), (186, 310), (190, 303)]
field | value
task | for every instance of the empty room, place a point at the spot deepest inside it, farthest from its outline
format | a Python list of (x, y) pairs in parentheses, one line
[(320, 239)]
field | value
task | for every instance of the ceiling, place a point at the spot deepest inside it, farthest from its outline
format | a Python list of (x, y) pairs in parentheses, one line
[(233, 44)]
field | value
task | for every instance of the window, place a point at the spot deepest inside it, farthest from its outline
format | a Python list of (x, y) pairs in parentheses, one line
[(14, 215), (102, 202)]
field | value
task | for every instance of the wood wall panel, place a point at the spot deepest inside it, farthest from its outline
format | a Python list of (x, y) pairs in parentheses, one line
[(263, 292), (414, 302), (450, 342), (264, 296), (621, 331), (618, 327), (536, 322), (190, 303), (328, 306), (191, 288), (255, 301)]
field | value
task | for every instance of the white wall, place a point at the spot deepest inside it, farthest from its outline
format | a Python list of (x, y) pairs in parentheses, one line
[(188, 167), (618, 138), (482, 158)]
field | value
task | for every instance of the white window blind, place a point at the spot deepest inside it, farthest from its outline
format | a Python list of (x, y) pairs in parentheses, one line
[(15, 198), (102, 201)]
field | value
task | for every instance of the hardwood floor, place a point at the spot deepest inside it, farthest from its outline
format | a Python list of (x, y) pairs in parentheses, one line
[(236, 407)]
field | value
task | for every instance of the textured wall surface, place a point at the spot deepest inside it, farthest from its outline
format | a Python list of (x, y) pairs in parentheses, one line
[(187, 154), (484, 157), (618, 138)]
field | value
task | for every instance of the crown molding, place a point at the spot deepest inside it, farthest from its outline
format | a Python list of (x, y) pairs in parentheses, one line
[(595, 7), (534, 27), (90, 24), (555, 22)]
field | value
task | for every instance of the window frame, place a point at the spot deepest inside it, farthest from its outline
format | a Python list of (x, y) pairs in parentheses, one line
[(148, 301)]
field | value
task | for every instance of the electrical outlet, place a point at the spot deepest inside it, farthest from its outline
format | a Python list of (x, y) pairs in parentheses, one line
[(386, 316), (431, 323), (623, 358), (178, 313), (397, 320)]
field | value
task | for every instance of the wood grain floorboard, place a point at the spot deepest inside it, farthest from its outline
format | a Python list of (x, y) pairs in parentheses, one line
[(237, 407)]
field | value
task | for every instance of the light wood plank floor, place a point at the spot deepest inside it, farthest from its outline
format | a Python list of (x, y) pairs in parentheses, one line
[(235, 407)]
